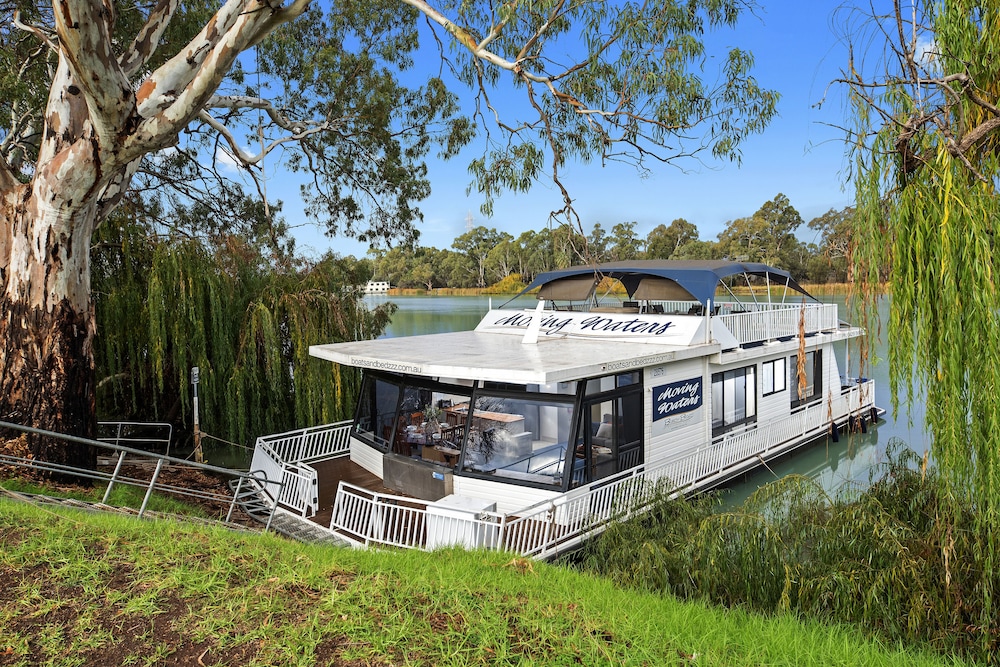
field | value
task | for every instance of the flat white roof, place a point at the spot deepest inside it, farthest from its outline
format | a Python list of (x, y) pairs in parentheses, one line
[(479, 355)]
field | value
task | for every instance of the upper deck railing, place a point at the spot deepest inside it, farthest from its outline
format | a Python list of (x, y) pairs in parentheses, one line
[(749, 322), (763, 322)]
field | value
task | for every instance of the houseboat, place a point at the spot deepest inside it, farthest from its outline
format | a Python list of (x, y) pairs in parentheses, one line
[(535, 430), (377, 287)]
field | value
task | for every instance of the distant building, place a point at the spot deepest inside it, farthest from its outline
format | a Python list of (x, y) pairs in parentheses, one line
[(377, 287)]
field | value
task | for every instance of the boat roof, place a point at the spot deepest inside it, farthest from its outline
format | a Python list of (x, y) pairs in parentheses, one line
[(486, 355), (656, 278)]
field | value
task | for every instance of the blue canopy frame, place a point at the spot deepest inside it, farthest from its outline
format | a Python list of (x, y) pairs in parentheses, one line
[(699, 278)]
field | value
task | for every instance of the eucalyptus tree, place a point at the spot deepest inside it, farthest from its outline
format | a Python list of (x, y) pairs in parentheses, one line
[(925, 92), (501, 261), (664, 241), (597, 243), (127, 82), (834, 228), (764, 236), (536, 254), (477, 244), (624, 242)]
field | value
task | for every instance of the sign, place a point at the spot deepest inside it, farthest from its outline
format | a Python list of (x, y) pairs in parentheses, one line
[(671, 330), (676, 397), (195, 371)]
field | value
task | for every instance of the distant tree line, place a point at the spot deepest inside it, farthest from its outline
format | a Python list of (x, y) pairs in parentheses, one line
[(485, 256)]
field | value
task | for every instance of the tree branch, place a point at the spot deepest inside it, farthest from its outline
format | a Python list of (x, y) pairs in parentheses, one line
[(148, 38), (85, 42), (36, 31), (179, 90), (248, 159)]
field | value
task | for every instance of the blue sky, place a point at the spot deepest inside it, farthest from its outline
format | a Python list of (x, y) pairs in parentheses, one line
[(800, 155)]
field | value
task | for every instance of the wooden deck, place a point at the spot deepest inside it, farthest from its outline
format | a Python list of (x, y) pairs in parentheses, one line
[(331, 472)]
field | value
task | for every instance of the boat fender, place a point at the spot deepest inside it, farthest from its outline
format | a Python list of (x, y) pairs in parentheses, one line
[(873, 414), (852, 424), (834, 432), (863, 423)]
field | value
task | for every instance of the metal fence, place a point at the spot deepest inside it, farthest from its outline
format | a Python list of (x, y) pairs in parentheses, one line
[(239, 480)]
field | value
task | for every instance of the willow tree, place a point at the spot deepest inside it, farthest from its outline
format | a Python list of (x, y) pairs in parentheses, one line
[(926, 169), (232, 301), (596, 81)]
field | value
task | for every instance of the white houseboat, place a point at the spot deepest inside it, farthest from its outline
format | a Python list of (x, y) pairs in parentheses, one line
[(536, 429), (377, 287)]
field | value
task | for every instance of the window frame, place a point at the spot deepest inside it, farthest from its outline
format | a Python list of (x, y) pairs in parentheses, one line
[(749, 396), (817, 377), (774, 376)]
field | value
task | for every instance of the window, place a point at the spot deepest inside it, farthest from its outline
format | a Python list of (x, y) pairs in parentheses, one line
[(773, 377), (810, 385), (394, 412), (518, 437), (734, 399), (376, 413)]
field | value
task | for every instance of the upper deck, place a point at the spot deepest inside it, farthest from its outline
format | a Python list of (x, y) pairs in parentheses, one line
[(653, 311)]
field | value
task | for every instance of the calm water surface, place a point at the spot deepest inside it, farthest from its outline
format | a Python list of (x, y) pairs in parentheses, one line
[(832, 464)]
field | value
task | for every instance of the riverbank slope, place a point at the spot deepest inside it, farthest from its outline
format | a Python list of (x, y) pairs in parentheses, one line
[(82, 589)]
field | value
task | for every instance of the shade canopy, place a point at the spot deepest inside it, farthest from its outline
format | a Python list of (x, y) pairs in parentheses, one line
[(656, 280)]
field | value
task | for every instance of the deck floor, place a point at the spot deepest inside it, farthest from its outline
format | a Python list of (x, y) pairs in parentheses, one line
[(331, 472)]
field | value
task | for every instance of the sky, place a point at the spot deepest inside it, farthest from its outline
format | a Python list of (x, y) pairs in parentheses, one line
[(801, 154)]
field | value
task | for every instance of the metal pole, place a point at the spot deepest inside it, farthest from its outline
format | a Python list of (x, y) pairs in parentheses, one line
[(198, 455)]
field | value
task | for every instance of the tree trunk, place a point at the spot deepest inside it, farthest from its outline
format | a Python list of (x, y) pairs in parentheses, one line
[(47, 324)]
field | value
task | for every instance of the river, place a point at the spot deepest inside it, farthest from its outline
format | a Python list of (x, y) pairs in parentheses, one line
[(832, 464)]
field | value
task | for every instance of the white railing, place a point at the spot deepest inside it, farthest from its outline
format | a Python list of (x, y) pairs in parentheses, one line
[(551, 527), (282, 459), (309, 444), (778, 322)]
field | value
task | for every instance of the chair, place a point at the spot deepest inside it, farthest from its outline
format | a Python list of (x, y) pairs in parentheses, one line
[(400, 444), (457, 434), (417, 418)]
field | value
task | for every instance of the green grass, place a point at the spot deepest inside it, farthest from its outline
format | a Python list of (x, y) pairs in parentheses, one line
[(82, 589)]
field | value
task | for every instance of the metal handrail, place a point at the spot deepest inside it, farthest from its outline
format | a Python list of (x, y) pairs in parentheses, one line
[(116, 477), (118, 438)]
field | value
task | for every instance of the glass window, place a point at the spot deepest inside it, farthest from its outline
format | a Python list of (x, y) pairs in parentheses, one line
[(376, 414), (561, 388), (734, 399), (523, 438), (609, 434), (408, 414), (772, 377), (809, 385)]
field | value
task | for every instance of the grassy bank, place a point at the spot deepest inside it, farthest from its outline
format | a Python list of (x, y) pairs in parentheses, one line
[(82, 589), (903, 559)]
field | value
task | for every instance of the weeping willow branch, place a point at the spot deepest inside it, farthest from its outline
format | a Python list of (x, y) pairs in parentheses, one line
[(926, 145)]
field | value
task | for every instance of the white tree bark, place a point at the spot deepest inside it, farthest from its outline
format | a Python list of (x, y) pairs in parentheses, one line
[(97, 126)]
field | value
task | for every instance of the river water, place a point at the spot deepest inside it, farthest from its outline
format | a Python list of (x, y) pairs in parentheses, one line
[(831, 464)]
